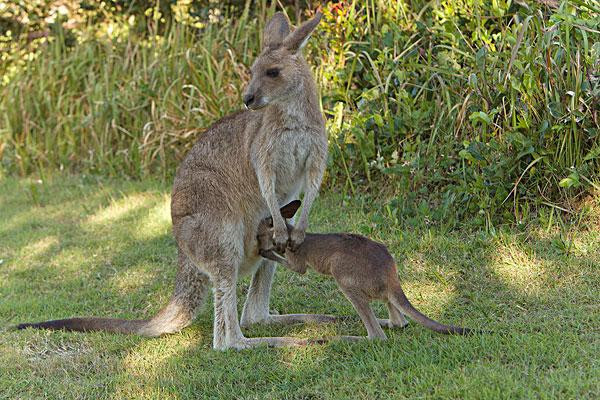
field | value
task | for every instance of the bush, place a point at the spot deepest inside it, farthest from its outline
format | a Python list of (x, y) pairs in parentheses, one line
[(458, 109), (479, 107)]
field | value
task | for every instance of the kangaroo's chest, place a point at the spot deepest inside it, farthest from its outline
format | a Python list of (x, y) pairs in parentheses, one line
[(290, 162)]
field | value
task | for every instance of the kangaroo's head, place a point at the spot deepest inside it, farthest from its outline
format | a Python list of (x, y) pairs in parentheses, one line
[(265, 227), (280, 72)]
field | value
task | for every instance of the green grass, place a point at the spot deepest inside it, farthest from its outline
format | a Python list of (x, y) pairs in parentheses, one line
[(77, 245)]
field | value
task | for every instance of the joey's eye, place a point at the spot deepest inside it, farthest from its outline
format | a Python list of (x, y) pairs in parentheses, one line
[(272, 72)]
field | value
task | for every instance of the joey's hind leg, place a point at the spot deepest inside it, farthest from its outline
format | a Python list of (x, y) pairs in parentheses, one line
[(396, 318), (364, 310), (256, 308)]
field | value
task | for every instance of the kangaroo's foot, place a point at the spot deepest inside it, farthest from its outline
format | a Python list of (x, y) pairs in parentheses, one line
[(396, 320), (243, 343), (344, 338), (286, 319), (289, 319)]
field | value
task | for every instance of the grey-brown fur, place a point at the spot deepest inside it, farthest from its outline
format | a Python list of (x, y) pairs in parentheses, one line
[(363, 269), (239, 172)]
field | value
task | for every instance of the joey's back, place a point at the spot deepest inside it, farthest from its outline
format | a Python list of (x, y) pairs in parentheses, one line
[(352, 258)]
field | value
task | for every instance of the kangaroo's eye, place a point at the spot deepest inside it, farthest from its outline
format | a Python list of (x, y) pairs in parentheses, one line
[(273, 72)]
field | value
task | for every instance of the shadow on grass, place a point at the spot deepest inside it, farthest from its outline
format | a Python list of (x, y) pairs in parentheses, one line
[(50, 238), (65, 259), (466, 280), (61, 260)]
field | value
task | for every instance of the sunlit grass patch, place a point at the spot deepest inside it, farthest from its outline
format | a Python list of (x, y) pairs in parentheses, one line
[(35, 249), (119, 208), (65, 260), (130, 280), (519, 269), (46, 348), (158, 219), (150, 356)]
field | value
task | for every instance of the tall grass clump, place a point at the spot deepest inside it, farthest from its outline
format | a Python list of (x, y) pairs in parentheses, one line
[(448, 110), (124, 102)]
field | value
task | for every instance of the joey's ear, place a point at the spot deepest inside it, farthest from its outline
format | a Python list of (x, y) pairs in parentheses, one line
[(276, 30), (296, 40), (290, 209)]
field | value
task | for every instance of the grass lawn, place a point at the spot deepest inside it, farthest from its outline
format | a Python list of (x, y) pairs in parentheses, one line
[(77, 246)]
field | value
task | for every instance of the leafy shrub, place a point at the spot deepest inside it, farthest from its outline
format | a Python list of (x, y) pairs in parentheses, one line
[(481, 107), (449, 110)]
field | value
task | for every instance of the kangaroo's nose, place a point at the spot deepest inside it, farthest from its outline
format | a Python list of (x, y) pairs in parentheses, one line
[(248, 99)]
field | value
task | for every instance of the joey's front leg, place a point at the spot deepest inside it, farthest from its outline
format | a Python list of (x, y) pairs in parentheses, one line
[(297, 236)]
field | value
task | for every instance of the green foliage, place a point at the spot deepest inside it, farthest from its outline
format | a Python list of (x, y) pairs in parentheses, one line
[(458, 109), (466, 104)]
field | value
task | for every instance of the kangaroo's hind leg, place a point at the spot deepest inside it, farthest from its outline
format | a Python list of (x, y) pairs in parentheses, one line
[(227, 333), (256, 307), (219, 254)]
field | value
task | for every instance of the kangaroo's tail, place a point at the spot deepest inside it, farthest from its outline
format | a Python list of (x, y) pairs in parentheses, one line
[(399, 300), (191, 289), (176, 315), (173, 317), (91, 324)]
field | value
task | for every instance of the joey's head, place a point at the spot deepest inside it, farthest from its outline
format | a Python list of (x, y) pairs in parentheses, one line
[(280, 72), (265, 227)]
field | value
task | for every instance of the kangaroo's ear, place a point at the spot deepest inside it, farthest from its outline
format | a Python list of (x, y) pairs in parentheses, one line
[(296, 40), (276, 30), (290, 209)]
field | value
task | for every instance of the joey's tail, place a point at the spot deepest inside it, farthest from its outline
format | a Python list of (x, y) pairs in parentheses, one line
[(399, 300)]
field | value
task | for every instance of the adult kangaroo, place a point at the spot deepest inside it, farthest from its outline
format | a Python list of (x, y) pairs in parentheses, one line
[(239, 172)]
